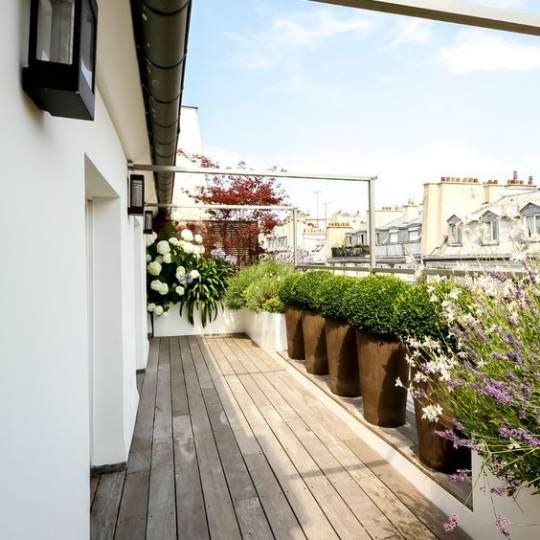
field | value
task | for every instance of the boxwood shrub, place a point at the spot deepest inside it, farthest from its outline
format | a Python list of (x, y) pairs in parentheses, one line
[(331, 297), (301, 290), (370, 304), (418, 310)]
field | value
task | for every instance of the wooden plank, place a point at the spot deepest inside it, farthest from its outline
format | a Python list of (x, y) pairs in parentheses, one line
[(251, 517), (190, 507), (219, 508), (318, 417), (133, 508), (308, 512), (278, 511), (106, 503), (415, 501), (336, 510), (161, 499), (94, 481)]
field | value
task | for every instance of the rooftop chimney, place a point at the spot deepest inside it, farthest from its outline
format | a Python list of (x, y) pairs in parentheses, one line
[(515, 176), (531, 180)]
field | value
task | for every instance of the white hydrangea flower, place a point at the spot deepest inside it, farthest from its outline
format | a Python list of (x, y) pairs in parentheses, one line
[(180, 273), (159, 259), (164, 289), (163, 247), (159, 311), (202, 249), (198, 238), (187, 235), (154, 268), (432, 413), (187, 247), (148, 258), (180, 290), (150, 238), (156, 285), (194, 274), (167, 258), (151, 308), (174, 241)]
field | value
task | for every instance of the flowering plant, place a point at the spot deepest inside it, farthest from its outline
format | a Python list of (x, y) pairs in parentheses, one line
[(490, 380), (178, 273)]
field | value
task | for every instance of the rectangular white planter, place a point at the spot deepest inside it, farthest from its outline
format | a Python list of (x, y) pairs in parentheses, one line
[(227, 322), (523, 513), (265, 329)]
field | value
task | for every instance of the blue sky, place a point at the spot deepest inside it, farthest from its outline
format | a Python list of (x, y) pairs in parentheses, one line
[(303, 85)]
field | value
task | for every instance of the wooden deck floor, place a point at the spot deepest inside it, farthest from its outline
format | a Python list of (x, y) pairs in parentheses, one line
[(229, 445)]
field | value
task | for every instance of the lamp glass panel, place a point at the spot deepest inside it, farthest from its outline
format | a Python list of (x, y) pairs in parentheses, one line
[(88, 39), (137, 193), (55, 31)]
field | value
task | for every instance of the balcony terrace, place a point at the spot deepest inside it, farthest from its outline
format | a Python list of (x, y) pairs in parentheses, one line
[(229, 444)]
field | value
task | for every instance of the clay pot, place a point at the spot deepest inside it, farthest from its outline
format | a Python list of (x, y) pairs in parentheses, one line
[(381, 362), (295, 336), (314, 343), (342, 359), (435, 452)]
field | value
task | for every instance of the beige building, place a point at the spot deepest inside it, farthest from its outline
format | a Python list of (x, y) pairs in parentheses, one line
[(459, 196)]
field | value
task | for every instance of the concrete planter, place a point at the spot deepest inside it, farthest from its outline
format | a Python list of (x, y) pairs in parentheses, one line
[(381, 362), (295, 336), (342, 359), (313, 328)]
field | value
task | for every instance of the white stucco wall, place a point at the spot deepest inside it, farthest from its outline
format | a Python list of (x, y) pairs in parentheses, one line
[(44, 330)]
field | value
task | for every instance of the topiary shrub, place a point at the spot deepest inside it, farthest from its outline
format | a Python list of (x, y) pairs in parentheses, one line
[(308, 289), (256, 287), (419, 310), (331, 297), (370, 304), (288, 292)]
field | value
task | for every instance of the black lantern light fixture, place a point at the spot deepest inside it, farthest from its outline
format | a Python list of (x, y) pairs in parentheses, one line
[(136, 195), (60, 77), (148, 222)]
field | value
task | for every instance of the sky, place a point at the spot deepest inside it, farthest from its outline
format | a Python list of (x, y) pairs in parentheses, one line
[(328, 89)]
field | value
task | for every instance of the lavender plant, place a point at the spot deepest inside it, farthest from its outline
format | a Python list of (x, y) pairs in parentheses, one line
[(490, 379)]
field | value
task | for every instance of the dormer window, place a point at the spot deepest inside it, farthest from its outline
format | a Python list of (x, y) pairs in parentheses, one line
[(491, 228), (394, 237), (455, 231), (531, 217)]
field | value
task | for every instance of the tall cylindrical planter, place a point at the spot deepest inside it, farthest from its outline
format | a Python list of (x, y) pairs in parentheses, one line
[(381, 362), (295, 336), (342, 359), (314, 343), (434, 451)]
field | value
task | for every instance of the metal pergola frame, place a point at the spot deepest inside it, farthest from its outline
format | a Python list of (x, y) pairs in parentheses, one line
[(452, 11), (370, 180)]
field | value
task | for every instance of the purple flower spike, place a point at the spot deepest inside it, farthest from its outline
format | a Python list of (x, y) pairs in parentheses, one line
[(452, 523), (503, 524)]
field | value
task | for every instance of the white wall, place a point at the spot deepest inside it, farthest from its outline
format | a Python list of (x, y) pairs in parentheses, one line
[(44, 387)]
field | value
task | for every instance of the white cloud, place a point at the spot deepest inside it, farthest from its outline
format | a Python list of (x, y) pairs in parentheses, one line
[(411, 32), (293, 35), (479, 50)]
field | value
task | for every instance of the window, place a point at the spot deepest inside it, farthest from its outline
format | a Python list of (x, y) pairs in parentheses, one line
[(493, 230), (455, 234), (533, 226), (393, 237), (414, 235)]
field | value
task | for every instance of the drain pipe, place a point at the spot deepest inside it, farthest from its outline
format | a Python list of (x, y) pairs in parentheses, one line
[(161, 36)]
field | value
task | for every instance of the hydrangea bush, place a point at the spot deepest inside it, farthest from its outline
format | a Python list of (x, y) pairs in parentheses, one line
[(490, 380), (178, 273)]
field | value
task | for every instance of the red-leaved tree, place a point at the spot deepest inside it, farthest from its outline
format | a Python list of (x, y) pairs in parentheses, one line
[(238, 231)]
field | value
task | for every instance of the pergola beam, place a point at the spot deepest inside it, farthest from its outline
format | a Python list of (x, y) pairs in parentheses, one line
[(451, 11)]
